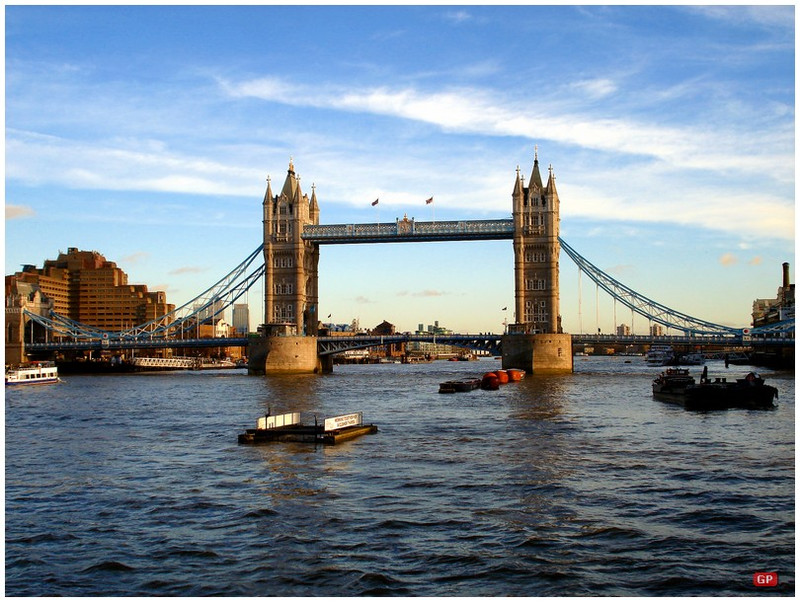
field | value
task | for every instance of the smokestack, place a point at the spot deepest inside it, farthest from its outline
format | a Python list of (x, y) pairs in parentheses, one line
[(785, 275)]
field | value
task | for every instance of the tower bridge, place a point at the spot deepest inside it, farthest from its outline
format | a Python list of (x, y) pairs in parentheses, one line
[(292, 240), (292, 237)]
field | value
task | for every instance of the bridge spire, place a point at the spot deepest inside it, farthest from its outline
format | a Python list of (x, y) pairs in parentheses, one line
[(535, 181), (551, 184), (268, 194), (517, 193), (313, 206)]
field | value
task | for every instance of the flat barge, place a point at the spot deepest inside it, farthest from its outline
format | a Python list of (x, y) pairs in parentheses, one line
[(288, 428), (679, 387)]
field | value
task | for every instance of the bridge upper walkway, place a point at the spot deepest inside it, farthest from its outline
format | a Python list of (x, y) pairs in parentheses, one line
[(410, 230)]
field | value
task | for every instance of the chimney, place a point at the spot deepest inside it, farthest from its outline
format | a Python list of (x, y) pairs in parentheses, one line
[(785, 274)]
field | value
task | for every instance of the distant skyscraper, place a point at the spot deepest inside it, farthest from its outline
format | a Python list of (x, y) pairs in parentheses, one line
[(241, 318), (214, 310)]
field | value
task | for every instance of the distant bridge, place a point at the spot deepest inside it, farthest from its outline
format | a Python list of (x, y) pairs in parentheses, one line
[(489, 343)]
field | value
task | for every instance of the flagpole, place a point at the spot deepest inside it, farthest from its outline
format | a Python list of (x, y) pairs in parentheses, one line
[(375, 203)]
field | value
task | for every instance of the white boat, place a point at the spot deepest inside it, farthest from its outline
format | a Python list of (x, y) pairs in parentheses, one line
[(659, 355), (37, 374), (691, 359)]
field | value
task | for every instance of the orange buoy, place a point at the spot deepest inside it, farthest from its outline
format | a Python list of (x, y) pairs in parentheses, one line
[(515, 374), (502, 376), (489, 382)]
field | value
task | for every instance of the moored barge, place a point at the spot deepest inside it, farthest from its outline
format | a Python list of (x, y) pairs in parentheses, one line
[(289, 428), (678, 386)]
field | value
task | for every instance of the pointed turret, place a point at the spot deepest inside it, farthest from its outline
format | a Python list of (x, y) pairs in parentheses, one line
[(536, 178), (313, 207), (517, 185), (268, 196), (291, 186), (551, 184)]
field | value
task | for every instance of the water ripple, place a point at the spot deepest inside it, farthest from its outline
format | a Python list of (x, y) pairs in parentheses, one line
[(556, 486)]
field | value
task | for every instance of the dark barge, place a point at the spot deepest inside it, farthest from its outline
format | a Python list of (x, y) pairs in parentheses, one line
[(750, 392), (288, 428)]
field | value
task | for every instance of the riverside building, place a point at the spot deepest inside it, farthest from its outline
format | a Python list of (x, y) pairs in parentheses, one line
[(82, 286)]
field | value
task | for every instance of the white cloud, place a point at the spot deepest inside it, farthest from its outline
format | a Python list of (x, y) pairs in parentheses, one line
[(19, 211), (477, 111)]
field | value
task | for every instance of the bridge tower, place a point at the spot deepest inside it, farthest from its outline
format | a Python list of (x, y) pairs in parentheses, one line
[(537, 328), (290, 281), (291, 264)]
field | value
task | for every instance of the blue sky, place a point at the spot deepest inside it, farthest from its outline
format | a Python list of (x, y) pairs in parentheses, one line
[(147, 133)]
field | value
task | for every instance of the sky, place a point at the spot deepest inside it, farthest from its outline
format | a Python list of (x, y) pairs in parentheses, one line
[(147, 133)]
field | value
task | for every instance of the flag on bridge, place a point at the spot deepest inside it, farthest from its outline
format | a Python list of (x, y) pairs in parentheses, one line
[(375, 202), (429, 201)]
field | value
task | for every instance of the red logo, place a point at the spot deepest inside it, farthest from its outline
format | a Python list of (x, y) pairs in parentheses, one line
[(765, 579)]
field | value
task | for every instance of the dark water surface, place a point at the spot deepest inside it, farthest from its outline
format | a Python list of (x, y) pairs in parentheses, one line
[(572, 485)]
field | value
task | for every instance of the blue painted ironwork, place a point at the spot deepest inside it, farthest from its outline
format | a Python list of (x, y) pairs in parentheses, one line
[(648, 308), (409, 230), (137, 343), (230, 288), (490, 343), (207, 305)]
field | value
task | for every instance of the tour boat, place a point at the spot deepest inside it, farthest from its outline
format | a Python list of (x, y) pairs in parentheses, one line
[(659, 355), (691, 359), (750, 392), (36, 374)]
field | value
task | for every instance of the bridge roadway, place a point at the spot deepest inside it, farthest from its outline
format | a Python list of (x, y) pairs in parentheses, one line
[(329, 345)]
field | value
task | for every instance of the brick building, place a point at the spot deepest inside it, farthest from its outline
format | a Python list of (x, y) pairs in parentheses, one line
[(82, 286)]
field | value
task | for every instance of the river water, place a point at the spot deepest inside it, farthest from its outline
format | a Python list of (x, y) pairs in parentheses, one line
[(576, 485)]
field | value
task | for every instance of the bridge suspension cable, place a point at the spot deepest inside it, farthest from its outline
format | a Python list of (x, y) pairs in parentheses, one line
[(208, 304), (648, 308)]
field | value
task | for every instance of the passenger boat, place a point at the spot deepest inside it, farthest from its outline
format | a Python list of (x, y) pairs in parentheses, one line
[(750, 392), (690, 359), (43, 373), (659, 355)]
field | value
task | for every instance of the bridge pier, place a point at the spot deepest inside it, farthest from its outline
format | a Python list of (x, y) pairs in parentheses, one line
[(538, 353), (285, 355)]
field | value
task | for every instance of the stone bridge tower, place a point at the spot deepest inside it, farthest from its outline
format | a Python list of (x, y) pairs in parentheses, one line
[(536, 251), (536, 342), (291, 297), (291, 264)]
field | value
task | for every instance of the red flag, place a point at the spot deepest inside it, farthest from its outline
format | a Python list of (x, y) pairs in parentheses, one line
[(375, 202), (429, 201)]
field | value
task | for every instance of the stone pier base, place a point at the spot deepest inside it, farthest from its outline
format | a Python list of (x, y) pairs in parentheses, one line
[(538, 353), (284, 355)]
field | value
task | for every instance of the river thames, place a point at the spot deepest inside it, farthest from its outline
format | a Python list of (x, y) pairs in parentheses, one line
[(576, 485)]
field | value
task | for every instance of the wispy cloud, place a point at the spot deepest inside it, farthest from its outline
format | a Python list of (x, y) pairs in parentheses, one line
[(134, 258), (187, 270), (19, 212), (479, 111)]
